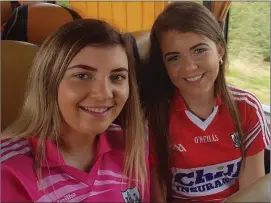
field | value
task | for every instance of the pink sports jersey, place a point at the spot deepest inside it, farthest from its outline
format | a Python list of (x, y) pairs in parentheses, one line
[(205, 155), (62, 183)]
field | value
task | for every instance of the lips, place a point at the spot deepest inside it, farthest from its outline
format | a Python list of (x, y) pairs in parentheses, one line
[(96, 110), (194, 78)]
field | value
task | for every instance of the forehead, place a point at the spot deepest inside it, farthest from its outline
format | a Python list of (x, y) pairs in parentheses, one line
[(101, 56), (175, 39)]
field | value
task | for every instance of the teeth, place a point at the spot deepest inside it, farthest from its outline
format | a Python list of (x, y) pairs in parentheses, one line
[(96, 110), (194, 79)]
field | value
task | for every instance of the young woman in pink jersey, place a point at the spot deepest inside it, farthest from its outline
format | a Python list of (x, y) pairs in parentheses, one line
[(64, 146), (201, 128)]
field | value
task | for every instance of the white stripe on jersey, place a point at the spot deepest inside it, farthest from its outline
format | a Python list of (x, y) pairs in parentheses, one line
[(111, 173), (253, 134), (253, 98), (53, 179), (14, 153), (14, 139), (253, 138), (106, 182), (263, 127), (254, 102), (63, 187), (14, 146), (252, 131)]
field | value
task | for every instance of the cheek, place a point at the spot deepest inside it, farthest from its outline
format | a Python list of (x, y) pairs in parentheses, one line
[(175, 74), (68, 95), (213, 67), (212, 61), (122, 94)]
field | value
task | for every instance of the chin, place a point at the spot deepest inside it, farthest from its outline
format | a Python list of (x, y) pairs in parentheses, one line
[(96, 129)]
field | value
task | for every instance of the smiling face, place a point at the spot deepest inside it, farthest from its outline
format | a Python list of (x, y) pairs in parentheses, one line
[(192, 61), (94, 89)]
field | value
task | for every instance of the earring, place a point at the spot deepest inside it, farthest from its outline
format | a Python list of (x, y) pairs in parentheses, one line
[(220, 61)]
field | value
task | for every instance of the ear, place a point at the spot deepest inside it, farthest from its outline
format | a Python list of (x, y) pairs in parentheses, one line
[(220, 50)]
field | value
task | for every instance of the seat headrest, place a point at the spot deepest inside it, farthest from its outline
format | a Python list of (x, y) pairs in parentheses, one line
[(17, 58), (44, 19), (6, 10), (143, 43)]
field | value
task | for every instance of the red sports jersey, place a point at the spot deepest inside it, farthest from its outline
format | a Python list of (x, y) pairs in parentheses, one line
[(205, 155)]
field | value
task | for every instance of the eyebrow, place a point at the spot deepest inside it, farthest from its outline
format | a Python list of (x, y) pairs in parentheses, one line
[(176, 52), (90, 68), (119, 70), (86, 67), (199, 44)]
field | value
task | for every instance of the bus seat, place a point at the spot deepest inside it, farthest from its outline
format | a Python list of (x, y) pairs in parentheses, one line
[(33, 23), (142, 42), (17, 58), (128, 16), (6, 11)]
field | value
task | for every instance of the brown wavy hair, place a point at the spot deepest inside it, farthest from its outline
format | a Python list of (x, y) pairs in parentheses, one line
[(157, 88)]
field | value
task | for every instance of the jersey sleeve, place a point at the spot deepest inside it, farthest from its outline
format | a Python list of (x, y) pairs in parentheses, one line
[(256, 131), (11, 188)]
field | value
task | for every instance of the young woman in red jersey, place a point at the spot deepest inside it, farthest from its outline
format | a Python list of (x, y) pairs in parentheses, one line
[(207, 138)]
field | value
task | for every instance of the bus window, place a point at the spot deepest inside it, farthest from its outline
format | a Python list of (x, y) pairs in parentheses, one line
[(63, 3), (249, 46)]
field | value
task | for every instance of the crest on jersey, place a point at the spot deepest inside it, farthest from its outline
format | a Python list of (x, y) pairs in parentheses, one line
[(131, 195), (235, 140)]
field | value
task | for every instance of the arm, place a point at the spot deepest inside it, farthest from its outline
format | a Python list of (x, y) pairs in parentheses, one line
[(256, 139), (259, 191), (251, 173)]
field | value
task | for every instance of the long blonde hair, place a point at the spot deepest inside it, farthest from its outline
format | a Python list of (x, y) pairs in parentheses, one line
[(40, 115)]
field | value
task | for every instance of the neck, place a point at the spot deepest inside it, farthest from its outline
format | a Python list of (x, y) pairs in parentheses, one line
[(201, 105), (77, 149)]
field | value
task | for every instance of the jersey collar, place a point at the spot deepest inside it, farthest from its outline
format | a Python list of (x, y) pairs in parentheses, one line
[(107, 141)]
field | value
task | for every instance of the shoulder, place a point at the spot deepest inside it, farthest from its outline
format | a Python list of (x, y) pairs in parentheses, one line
[(250, 108), (15, 151), (16, 170), (244, 98)]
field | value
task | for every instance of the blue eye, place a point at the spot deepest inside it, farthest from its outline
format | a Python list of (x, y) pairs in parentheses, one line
[(82, 76)]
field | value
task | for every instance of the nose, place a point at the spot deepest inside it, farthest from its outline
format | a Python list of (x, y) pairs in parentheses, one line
[(188, 63), (101, 90)]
